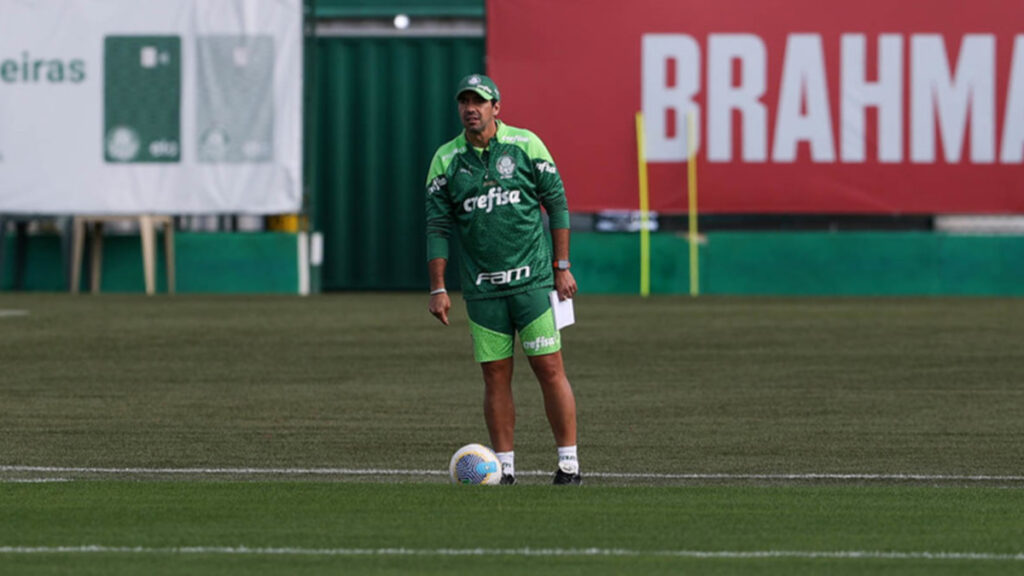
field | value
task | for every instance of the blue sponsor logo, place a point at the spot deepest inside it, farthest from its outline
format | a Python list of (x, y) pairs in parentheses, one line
[(485, 468)]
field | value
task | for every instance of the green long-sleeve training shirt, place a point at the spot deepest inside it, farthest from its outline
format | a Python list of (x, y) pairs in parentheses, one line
[(493, 201)]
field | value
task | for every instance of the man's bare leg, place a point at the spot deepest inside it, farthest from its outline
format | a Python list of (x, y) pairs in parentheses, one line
[(559, 401), (499, 408)]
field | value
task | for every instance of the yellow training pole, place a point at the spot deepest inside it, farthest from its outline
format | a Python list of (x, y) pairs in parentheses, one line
[(691, 141), (645, 234)]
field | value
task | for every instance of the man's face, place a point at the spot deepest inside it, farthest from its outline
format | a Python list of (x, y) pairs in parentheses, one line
[(477, 114)]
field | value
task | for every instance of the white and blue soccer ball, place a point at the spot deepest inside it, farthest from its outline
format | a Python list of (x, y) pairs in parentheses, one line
[(475, 464)]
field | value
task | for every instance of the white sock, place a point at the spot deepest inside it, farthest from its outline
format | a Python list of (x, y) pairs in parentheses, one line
[(508, 462), (567, 460)]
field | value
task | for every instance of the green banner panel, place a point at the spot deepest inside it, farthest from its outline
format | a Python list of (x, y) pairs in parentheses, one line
[(237, 263), (142, 98), (806, 264), (214, 262), (765, 263)]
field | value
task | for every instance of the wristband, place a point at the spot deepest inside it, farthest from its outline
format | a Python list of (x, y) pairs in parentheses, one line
[(438, 291)]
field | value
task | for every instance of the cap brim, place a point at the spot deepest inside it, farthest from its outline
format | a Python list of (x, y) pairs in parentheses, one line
[(483, 93)]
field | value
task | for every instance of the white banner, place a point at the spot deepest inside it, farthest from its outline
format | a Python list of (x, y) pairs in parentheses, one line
[(129, 106)]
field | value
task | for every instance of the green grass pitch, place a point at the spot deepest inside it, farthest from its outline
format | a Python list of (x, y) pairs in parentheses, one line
[(210, 435)]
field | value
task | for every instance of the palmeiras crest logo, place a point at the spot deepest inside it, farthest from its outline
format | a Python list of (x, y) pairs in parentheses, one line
[(473, 81), (123, 144), (506, 166)]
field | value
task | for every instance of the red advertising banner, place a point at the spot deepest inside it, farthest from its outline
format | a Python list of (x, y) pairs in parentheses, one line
[(801, 106)]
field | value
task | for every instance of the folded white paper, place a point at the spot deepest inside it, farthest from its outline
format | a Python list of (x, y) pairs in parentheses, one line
[(562, 309)]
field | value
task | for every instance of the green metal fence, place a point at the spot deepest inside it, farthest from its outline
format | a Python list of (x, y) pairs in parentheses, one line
[(382, 106)]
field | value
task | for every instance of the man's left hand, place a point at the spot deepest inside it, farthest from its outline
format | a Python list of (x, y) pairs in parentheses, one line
[(565, 284)]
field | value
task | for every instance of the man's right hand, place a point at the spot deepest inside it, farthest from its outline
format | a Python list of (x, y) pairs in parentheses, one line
[(440, 304)]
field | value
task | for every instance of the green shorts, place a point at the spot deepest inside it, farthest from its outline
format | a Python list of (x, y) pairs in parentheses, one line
[(494, 322)]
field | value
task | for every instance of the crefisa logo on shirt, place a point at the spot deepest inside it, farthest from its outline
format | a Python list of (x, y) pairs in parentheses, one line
[(506, 166), (495, 196)]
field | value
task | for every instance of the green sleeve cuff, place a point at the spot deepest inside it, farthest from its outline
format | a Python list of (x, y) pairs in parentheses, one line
[(559, 220), (437, 248)]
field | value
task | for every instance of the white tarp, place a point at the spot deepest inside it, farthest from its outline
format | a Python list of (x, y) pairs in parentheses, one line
[(169, 106)]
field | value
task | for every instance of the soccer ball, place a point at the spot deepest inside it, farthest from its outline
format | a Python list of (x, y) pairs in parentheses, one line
[(475, 464)]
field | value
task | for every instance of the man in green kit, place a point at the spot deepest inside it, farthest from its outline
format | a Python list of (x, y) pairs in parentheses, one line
[(488, 185)]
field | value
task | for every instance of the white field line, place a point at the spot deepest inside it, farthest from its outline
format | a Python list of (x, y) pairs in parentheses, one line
[(13, 313), (33, 480), (701, 554), (399, 472), (816, 476)]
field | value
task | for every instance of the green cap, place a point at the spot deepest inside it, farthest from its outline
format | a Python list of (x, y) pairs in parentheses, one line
[(480, 84)]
